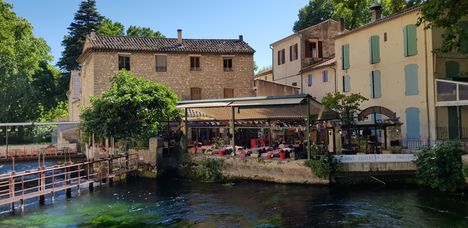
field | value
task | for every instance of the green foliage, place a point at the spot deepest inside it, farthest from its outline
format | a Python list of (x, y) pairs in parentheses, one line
[(209, 169), (86, 20), (440, 167), (27, 80), (326, 167), (109, 28), (218, 142), (132, 108), (143, 32), (313, 13), (448, 15), (465, 170), (346, 105)]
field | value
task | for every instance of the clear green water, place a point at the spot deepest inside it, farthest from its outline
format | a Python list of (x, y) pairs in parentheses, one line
[(179, 203)]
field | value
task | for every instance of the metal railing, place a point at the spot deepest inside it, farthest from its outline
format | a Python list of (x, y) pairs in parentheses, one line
[(451, 93)]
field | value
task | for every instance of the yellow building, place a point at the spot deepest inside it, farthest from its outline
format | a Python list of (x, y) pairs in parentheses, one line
[(391, 62)]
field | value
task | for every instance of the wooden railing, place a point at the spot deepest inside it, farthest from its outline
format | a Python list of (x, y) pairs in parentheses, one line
[(18, 187)]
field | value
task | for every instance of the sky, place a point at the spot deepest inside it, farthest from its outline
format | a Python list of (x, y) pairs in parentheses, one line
[(261, 22)]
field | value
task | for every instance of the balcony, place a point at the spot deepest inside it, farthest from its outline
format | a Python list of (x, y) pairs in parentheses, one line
[(451, 93)]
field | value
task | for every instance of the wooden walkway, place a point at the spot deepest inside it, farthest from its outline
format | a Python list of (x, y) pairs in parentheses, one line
[(38, 183)]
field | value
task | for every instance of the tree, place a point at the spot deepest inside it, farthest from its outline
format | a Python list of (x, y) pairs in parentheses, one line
[(109, 28), (354, 12), (132, 108), (22, 56), (143, 32), (346, 105), (86, 20), (313, 13), (450, 15)]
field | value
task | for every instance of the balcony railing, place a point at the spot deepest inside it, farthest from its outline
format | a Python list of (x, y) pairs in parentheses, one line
[(451, 93)]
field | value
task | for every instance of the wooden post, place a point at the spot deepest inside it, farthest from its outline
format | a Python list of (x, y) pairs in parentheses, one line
[(186, 131), (79, 180), (12, 190), (233, 129)]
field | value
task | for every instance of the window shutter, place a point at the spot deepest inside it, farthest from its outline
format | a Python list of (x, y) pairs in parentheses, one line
[(410, 41), (412, 123), (320, 51), (411, 80), (309, 80), (308, 52), (452, 69), (375, 85), (290, 53), (374, 50), (346, 83), (345, 56), (464, 42)]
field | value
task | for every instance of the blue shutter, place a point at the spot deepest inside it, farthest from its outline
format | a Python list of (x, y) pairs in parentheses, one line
[(345, 56), (412, 123), (309, 80), (410, 40), (452, 69), (375, 84), (374, 49), (346, 83), (411, 80), (325, 76)]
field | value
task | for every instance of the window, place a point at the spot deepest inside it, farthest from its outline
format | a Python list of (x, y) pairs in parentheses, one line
[(281, 56), (195, 93), (161, 63), (375, 86), (309, 80), (293, 52), (385, 37), (374, 53), (464, 43), (409, 34), (228, 92), (124, 62), (195, 63), (294, 84), (412, 123), (411, 80), (227, 64), (325, 76), (345, 56), (346, 84)]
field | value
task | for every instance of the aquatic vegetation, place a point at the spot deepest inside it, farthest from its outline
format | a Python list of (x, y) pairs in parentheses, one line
[(326, 167), (273, 221), (209, 169), (440, 167)]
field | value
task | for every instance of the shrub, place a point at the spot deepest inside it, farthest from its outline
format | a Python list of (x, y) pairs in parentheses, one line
[(326, 167), (209, 169), (440, 167)]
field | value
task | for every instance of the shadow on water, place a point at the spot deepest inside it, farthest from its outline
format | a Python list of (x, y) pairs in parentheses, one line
[(180, 203)]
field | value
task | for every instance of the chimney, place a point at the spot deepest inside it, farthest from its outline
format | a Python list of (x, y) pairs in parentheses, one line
[(342, 25), (241, 38), (376, 10), (179, 37), (92, 35)]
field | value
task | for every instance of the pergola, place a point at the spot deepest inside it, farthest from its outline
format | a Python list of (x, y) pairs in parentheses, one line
[(290, 107)]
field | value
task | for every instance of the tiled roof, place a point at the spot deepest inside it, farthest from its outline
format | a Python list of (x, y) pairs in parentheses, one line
[(126, 43)]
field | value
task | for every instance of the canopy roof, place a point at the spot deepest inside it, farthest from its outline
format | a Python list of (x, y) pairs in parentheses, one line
[(257, 108)]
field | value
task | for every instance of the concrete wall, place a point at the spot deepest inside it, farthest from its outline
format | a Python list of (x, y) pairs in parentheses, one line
[(99, 66), (267, 88), (319, 88), (391, 66), (288, 171)]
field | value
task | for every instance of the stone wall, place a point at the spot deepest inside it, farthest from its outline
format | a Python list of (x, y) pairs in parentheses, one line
[(212, 79), (286, 171)]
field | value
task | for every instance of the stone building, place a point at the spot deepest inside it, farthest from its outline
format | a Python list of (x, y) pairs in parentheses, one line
[(294, 54), (192, 68)]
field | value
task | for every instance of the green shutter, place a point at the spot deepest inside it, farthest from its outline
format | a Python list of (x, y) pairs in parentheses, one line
[(345, 56), (412, 123), (410, 40), (375, 84), (374, 49), (346, 83), (411, 80), (452, 69), (464, 41)]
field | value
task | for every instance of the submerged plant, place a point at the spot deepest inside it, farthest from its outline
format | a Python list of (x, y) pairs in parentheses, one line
[(440, 167)]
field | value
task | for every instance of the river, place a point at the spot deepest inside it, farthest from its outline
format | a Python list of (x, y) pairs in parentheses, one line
[(182, 203)]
